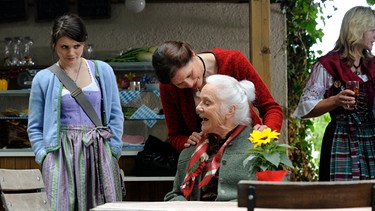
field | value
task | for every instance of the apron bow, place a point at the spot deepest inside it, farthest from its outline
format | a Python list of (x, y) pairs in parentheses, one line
[(97, 133)]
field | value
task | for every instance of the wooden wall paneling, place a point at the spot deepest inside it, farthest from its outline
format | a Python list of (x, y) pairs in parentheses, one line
[(18, 163), (147, 191), (142, 190), (33, 164), (8, 162), (22, 163), (127, 164)]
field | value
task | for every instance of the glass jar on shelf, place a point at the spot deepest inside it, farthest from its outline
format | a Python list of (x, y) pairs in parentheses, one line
[(15, 54), (7, 48), (27, 58)]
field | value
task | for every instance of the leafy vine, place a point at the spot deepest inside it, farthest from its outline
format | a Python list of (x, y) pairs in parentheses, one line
[(302, 34)]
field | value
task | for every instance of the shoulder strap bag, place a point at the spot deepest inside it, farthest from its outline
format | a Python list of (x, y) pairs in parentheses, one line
[(77, 93)]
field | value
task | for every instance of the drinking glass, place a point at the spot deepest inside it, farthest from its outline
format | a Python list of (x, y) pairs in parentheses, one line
[(354, 86)]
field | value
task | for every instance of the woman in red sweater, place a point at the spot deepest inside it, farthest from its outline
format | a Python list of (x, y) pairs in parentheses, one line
[(182, 74)]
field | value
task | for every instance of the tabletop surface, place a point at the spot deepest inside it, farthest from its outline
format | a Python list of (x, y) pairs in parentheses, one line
[(196, 205)]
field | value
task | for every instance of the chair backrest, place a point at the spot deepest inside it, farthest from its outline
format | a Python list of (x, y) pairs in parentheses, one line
[(306, 195), (23, 190)]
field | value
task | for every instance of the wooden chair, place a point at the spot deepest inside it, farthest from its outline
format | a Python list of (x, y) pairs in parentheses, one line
[(306, 195), (23, 190)]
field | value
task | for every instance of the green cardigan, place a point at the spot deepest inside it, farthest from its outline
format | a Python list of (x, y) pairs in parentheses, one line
[(231, 171)]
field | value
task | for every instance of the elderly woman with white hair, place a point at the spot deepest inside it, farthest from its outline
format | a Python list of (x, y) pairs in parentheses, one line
[(210, 170)]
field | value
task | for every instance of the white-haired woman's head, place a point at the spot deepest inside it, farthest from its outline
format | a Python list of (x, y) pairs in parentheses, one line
[(234, 93)]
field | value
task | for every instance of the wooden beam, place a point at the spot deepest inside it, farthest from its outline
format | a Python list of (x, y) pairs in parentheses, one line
[(260, 52)]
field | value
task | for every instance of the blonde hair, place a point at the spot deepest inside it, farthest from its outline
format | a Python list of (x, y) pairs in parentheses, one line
[(355, 23)]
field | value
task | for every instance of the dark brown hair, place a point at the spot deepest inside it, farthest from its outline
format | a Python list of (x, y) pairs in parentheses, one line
[(169, 57), (69, 25)]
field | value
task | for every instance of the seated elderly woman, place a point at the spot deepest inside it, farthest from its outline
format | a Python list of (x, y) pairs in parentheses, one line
[(211, 170)]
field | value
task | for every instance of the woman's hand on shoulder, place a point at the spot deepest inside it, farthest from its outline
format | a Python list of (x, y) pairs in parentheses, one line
[(260, 127), (193, 139)]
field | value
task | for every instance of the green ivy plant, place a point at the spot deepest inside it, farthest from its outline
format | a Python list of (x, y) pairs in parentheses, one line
[(302, 34)]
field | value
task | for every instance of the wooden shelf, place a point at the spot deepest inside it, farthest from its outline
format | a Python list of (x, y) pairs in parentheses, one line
[(131, 66), (34, 67), (21, 92), (13, 117), (25, 152)]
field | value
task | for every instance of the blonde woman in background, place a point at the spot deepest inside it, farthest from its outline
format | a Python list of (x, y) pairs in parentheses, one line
[(348, 147)]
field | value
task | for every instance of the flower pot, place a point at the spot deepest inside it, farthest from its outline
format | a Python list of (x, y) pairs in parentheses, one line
[(269, 175)]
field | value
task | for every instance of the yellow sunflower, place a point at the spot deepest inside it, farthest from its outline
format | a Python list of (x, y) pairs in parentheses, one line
[(258, 138)]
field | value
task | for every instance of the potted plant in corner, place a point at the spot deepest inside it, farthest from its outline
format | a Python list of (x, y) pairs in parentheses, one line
[(268, 159)]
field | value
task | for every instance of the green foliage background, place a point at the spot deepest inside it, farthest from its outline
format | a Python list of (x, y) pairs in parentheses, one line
[(302, 34)]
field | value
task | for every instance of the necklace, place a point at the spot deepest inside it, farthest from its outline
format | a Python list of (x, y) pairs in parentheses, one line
[(198, 93), (79, 69), (357, 71)]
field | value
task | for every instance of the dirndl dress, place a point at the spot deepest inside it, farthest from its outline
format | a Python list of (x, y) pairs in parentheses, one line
[(352, 154), (82, 173)]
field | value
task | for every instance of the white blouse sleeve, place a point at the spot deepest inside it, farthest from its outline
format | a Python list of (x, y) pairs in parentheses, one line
[(318, 83)]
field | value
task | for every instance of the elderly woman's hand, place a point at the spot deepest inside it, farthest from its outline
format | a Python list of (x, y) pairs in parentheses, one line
[(260, 127), (193, 139)]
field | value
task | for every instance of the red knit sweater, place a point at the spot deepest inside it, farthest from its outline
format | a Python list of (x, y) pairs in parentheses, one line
[(179, 105)]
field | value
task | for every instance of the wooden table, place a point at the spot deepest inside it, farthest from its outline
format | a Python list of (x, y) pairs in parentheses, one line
[(196, 206)]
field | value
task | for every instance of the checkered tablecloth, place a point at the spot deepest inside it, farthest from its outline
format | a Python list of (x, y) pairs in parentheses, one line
[(157, 93), (142, 103), (149, 116), (127, 96)]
